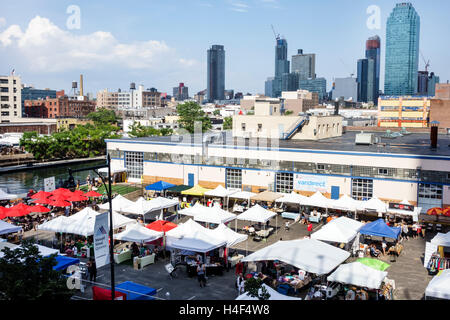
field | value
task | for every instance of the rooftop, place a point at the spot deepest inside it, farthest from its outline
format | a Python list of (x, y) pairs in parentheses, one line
[(412, 144)]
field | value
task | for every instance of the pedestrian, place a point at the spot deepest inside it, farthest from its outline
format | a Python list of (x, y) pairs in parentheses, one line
[(201, 275), (405, 231), (286, 226), (310, 228), (92, 270), (240, 284), (384, 246)]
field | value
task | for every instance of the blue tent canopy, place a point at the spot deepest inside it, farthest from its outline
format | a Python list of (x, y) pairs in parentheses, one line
[(136, 291), (159, 186), (379, 228), (8, 228), (64, 262)]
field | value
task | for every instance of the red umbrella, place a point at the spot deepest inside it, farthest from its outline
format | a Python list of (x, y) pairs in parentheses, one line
[(60, 203), (60, 197), (161, 225), (39, 209), (92, 194), (434, 211), (446, 212), (43, 201), (3, 211), (41, 194), (61, 191), (79, 192), (76, 198), (19, 210)]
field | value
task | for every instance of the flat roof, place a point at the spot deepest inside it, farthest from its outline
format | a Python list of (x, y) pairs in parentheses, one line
[(412, 144)]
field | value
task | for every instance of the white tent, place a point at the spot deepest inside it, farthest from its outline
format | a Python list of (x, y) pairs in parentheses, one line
[(138, 233), (318, 200), (7, 196), (83, 223), (232, 238), (194, 210), (375, 204), (161, 203), (140, 207), (274, 295), (8, 228), (439, 286), (54, 225), (307, 254), (347, 223), (113, 170), (406, 202), (44, 251), (192, 237), (347, 203), (243, 195), (293, 197), (256, 214), (214, 215), (441, 239), (118, 204), (334, 232), (359, 275), (220, 191)]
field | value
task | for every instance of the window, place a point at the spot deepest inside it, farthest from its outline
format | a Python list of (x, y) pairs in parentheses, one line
[(234, 178), (362, 189), (430, 191), (284, 182), (134, 164), (320, 167), (383, 172)]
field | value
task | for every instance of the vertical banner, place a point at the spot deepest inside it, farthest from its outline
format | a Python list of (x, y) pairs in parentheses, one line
[(101, 246), (49, 184)]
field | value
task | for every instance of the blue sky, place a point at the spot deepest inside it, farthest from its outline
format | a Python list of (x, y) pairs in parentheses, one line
[(160, 43)]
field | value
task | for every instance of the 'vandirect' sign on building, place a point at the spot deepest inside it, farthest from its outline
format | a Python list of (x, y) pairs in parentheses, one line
[(305, 182)]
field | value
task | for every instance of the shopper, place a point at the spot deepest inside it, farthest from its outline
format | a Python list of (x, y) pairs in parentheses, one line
[(201, 275), (240, 284), (310, 228), (384, 246), (405, 231), (92, 270)]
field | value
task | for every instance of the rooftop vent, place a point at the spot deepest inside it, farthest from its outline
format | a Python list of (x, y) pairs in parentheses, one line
[(364, 138)]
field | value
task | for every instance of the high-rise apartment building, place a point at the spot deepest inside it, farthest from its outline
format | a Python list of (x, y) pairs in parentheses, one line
[(10, 98), (402, 51), (366, 78), (281, 67), (318, 85), (216, 73), (181, 92), (304, 65), (373, 51)]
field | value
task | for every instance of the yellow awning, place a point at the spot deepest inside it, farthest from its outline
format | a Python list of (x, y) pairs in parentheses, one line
[(195, 191)]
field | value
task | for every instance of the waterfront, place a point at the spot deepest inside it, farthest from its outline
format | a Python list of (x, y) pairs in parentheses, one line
[(21, 181)]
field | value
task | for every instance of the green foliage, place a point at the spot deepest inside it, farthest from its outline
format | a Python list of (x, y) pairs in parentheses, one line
[(138, 131), (80, 142), (103, 116), (288, 112), (190, 112), (255, 289), (26, 275), (216, 112), (228, 123)]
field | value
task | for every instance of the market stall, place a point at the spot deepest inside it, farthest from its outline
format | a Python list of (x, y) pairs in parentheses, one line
[(8, 196), (160, 186), (259, 215), (340, 230), (118, 204), (214, 215), (6, 228), (440, 255), (241, 200), (220, 192), (439, 286), (359, 275), (138, 233), (197, 190), (274, 295), (380, 229)]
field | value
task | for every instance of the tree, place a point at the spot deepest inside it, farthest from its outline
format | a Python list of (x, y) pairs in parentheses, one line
[(288, 112), (228, 123), (216, 112), (189, 113), (26, 275), (255, 289), (137, 130), (103, 116)]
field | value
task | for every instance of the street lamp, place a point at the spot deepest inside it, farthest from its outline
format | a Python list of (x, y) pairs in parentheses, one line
[(70, 184)]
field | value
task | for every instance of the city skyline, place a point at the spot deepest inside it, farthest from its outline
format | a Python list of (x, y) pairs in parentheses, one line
[(154, 53)]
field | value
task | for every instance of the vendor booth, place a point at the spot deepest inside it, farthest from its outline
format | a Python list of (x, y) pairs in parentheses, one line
[(214, 215), (241, 200), (259, 215), (440, 255), (138, 233), (160, 186), (197, 190), (119, 203), (221, 192), (134, 291), (274, 295), (439, 286), (380, 229), (340, 230), (6, 228)]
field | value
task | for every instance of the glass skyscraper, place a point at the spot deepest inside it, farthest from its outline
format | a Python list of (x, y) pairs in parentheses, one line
[(216, 73), (366, 80), (304, 65), (402, 51), (281, 66), (373, 51)]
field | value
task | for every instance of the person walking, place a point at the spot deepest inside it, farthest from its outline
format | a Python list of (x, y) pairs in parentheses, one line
[(240, 281), (92, 270), (310, 228), (201, 275), (384, 246), (405, 231)]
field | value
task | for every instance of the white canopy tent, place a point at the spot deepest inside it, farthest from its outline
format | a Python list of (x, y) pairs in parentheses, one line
[(138, 233), (347, 203), (441, 239), (439, 286), (220, 192), (375, 204), (54, 225), (274, 295), (243, 195), (307, 254), (194, 210), (359, 275), (113, 170), (139, 207), (162, 203), (44, 251), (318, 200), (214, 215), (7, 196), (256, 214), (232, 238), (334, 232), (292, 197), (347, 223), (118, 204)]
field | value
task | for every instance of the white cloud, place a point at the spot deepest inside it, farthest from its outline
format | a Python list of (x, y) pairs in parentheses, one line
[(46, 47), (2, 22), (239, 7)]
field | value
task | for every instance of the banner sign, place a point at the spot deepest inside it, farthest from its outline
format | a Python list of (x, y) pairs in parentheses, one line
[(401, 206), (306, 182), (101, 245), (49, 184)]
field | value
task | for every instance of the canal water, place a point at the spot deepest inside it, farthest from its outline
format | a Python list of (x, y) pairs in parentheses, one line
[(22, 181)]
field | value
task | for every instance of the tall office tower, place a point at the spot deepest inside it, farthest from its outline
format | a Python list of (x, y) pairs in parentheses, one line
[(181, 92), (281, 66), (289, 81), (426, 83), (304, 65), (216, 73), (318, 85), (366, 80), (402, 51), (373, 51), (268, 87)]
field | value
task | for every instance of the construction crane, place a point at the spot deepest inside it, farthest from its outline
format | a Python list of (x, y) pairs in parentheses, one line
[(277, 36), (427, 63)]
